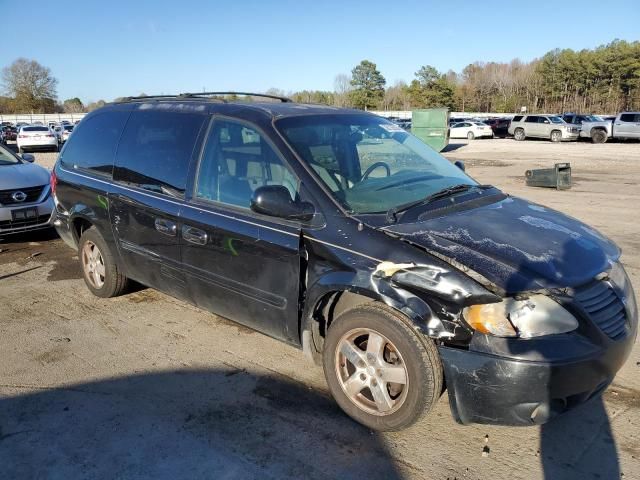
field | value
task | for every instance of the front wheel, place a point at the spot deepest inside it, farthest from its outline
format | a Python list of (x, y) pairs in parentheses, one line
[(470, 136), (380, 372), (556, 136)]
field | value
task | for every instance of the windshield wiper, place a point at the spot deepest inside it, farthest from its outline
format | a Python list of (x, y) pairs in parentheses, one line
[(445, 192)]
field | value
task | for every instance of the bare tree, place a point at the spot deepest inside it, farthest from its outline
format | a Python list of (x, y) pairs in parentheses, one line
[(30, 84), (342, 86)]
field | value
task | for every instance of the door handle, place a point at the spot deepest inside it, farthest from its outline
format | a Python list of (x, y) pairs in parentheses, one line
[(166, 227), (194, 235)]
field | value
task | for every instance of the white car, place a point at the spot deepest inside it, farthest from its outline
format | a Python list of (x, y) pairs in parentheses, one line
[(36, 137), (66, 131), (470, 130), (25, 194)]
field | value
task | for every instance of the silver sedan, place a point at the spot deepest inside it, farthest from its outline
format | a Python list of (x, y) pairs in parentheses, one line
[(25, 195)]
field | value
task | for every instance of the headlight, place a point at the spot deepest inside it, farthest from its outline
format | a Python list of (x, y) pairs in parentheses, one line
[(538, 315)]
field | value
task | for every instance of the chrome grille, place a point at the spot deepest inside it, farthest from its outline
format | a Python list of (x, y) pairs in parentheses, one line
[(32, 193), (604, 307)]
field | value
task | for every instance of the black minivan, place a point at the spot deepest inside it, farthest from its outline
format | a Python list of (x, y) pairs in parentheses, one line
[(338, 232)]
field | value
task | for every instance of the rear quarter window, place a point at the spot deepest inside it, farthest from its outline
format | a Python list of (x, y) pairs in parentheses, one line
[(93, 144), (156, 148), (517, 118)]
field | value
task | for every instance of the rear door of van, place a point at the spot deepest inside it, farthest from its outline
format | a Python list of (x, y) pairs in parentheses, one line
[(151, 169)]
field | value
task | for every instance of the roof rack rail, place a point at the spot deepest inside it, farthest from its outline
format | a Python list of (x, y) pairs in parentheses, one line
[(143, 97), (247, 94)]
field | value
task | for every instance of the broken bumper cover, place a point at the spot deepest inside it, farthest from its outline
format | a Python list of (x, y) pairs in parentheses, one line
[(562, 372), (63, 227)]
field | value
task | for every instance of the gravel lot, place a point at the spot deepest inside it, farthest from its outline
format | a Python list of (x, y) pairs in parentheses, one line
[(145, 386)]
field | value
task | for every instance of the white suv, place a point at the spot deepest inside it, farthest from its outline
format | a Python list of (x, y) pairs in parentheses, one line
[(542, 126)]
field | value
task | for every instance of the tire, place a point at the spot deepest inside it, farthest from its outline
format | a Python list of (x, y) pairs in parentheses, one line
[(470, 136), (112, 283), (519, 134), (403, 404), (556, 136), (598, 136)]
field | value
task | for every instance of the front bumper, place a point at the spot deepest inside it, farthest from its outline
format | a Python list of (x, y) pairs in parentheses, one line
[(570, 135), (527, 382), (43, 220)]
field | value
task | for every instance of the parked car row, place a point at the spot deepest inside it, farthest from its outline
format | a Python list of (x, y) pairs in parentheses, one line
[(557, 128), (36, 136)]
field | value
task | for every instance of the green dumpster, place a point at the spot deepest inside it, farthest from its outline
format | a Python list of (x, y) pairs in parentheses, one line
[(431, 125)]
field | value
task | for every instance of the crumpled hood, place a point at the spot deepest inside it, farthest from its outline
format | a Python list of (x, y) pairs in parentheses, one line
[(22, 175), (517, 245)]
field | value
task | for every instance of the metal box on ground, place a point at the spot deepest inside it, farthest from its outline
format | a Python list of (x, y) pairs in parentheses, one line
[(558, 177), (431, 126)]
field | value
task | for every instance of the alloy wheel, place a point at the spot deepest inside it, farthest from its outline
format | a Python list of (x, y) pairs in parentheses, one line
[(93, 264), (371, 371)]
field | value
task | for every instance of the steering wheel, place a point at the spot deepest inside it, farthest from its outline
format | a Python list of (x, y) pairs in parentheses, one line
[(371, 168)]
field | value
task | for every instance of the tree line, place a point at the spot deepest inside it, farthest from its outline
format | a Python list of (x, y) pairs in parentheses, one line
[(601, 80)]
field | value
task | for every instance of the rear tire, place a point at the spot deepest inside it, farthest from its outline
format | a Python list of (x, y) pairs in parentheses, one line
[(366, 347), (99, 269), (598, 136), (470, 136), (556, 136), (519, 134)]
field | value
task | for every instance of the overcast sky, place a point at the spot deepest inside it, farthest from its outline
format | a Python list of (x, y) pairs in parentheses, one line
[(102, 50)]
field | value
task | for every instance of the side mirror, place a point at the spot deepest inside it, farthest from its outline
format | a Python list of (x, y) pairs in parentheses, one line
[(27, 157), (275, 200), (546, 121), (459, 164)]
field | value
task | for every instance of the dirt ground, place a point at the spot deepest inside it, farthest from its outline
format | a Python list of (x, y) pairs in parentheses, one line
[(145, 386)]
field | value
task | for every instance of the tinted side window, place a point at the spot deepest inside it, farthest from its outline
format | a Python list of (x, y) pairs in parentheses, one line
[(531, 119), (236, 161), (517, 118), (155, 150), (630, 117), (93, 144)]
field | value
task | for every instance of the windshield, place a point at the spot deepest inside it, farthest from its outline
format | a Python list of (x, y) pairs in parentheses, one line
[(371, 165), (556, 120), (6, 157)]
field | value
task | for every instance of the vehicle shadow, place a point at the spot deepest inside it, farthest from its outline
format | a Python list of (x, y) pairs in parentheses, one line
[(185, 424), (580, 444)]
